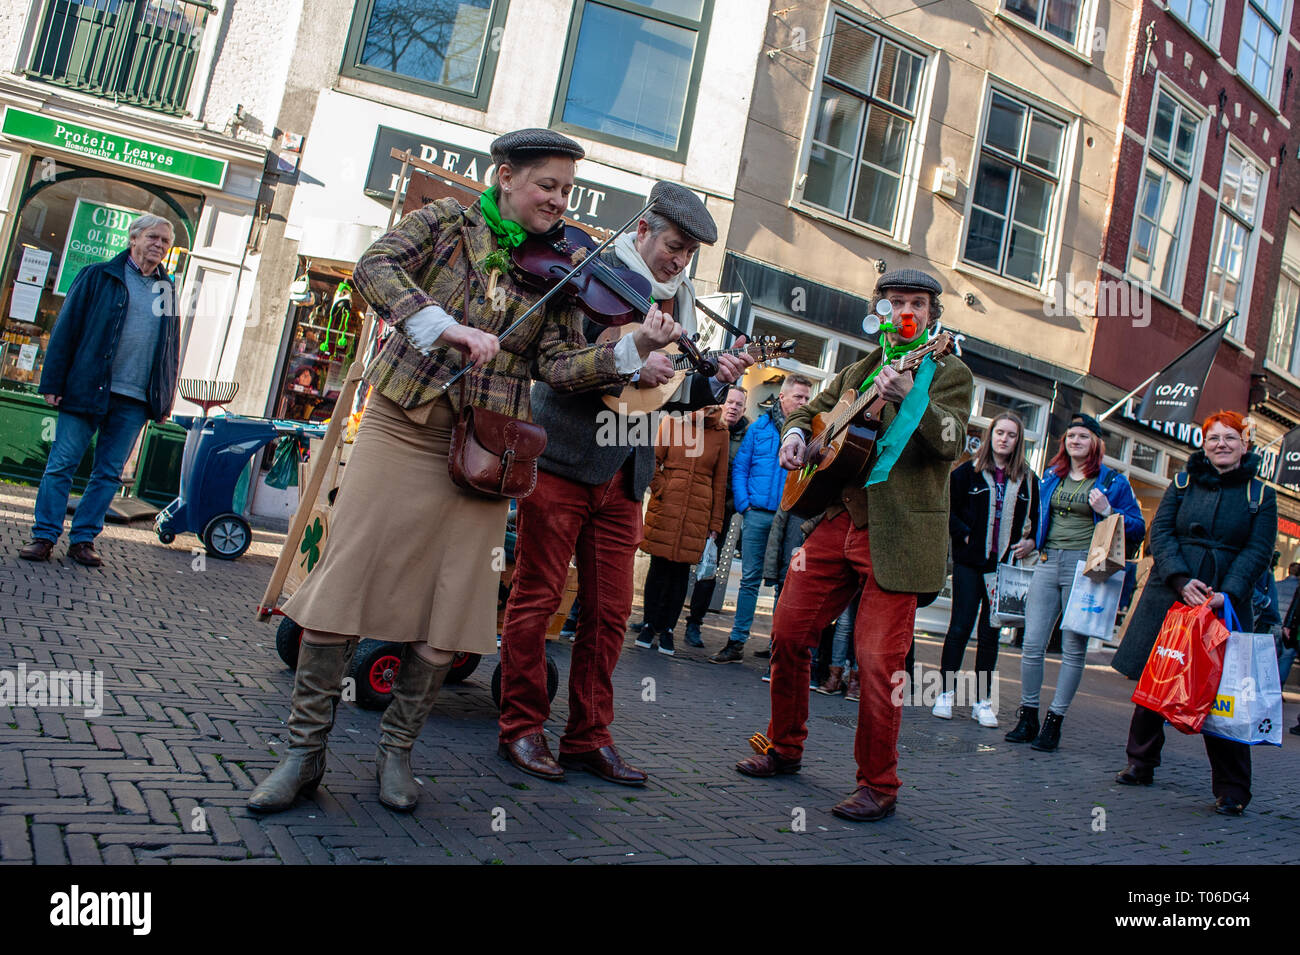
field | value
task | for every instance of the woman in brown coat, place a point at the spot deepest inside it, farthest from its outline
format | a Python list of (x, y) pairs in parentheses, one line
[(686, 502)]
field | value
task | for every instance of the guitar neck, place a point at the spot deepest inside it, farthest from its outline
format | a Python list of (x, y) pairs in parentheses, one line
[(683, 362)]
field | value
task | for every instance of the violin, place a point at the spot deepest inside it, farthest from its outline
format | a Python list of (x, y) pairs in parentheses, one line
[(605, 294)]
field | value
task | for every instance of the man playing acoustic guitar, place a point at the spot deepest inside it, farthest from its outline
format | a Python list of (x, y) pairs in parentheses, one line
[(888, 537)]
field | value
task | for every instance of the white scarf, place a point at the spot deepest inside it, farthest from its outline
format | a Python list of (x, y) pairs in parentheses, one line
[(683, 311)]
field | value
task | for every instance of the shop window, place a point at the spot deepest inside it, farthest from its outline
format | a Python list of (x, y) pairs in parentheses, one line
[(1197, 14), (846, 355), (1116, 444), (1235, 234), (808, 349), (325, 330), (1014, 197), (142, 52), (76, 219), (1059, 18), (1261, 33), (441, 48), (1145, 457), (863, 128), (1162, 205), (1174, 464), (631, 73)]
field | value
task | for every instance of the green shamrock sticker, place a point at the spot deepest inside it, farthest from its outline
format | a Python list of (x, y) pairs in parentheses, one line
[(310, 543)]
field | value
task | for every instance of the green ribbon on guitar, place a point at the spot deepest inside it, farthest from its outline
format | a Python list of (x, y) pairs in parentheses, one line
[(900, 430)]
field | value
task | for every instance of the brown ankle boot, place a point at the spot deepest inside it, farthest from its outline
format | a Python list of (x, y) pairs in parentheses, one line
[(834, 682), (854, 689)]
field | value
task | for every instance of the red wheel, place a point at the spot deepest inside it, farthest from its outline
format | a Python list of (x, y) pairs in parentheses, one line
[(374, 668), (382, 674)]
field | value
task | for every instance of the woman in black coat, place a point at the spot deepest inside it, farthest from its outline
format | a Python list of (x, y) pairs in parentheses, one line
[(1211, 538), (993, 517)]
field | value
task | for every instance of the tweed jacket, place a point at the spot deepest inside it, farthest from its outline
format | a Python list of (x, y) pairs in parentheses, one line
[(407, 269), (906, 515)]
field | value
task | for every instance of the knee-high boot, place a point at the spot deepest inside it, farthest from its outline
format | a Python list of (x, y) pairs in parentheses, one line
[(317, 686), (414, 693)]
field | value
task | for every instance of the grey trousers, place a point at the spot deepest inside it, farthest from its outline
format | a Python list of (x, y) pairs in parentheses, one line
[(1049, 592)]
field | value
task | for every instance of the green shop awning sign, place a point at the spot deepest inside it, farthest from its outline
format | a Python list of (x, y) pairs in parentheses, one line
[(113, 147)]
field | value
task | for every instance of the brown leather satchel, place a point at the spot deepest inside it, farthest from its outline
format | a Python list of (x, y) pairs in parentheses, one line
[(492, 454)]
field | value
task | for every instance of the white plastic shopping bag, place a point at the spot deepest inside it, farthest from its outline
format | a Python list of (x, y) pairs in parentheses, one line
[(1248, 707), (1009, 595), (708, 565), (1093, 605)]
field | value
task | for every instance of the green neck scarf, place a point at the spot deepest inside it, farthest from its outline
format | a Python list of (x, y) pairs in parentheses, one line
[(510, 234), (892, 353)]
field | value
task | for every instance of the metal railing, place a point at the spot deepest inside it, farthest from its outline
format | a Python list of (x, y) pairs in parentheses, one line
[(141, 52)]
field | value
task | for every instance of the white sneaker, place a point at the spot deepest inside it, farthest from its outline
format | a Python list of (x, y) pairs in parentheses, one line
[(983, 712), (943, 706)]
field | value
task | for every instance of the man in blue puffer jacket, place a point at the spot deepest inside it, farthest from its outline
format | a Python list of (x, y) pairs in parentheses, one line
[(757, 480)]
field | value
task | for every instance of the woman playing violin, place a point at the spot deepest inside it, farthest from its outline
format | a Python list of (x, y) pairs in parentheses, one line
[(411, 557)]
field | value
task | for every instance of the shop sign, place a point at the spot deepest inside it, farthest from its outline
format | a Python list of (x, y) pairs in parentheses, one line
[(1289, 528), (1181, 431), (589, 203), (113, 147), (97, 233)]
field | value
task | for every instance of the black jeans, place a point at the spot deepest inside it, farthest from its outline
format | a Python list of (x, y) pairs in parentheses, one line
[(1229, 760), (970, 609), (665, 592)]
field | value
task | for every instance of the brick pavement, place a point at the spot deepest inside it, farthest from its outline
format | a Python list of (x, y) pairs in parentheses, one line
[(196, 698)]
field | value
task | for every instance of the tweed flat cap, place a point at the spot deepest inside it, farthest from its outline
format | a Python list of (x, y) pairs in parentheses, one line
[(684, 209), (909, 278), (527, 143)]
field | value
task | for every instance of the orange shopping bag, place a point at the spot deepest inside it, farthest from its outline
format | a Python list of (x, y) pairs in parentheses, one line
[(1182, 674)]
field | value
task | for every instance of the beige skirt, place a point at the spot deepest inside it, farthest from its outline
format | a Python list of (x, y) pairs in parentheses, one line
[(410, 556)]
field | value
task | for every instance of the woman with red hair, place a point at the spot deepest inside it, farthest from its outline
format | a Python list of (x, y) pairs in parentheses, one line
[(1212, 536), (1076, 492)]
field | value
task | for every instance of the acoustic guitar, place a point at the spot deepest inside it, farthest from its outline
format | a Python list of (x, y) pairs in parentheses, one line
[(642, 400), (843, 439)]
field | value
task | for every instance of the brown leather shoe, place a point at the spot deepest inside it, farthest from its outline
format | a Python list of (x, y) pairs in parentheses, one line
[(532, 755), (1135, 775), (37, 549), (864, 806), (83, 553), (768, 764), (605, 763)]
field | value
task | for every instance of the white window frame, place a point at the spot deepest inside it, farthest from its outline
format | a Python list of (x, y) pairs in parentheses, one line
[(1187, 217), (1215, 26), (911, 171), (1237, 331), (1273, 94), (820, 374), (1125, 464), (1061, 201), (979, 421), (1082, 45)]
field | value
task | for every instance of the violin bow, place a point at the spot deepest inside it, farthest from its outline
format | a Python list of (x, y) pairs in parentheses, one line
[(555, 288)]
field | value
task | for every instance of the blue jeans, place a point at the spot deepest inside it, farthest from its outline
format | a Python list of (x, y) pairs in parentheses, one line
[(1049, 593), (118, 430), (753, 547), (842, 648)]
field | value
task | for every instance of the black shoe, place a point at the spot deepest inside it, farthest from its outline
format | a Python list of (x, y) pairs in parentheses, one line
[(693, 638), (1228, 807), (666, 643), (646, 638), (1135, 775), (1049, 737), (733, 652), (1295, 730), (765, 653), (1027, 728)]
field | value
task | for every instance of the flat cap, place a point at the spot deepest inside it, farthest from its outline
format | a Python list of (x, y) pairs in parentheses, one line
[(684, 209), (909, 278), (529, 143)]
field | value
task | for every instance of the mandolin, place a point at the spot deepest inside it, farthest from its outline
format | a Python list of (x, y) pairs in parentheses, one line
[(843, 439), (635, 399)]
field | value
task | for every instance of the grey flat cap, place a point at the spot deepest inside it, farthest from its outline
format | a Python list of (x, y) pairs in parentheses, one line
[(684, 209), (909, 278), (529, 143)]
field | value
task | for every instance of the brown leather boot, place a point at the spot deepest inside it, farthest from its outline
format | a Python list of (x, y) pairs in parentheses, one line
[(834, 682), (83, 552), (37, 549), (414, 693), (854, 688)]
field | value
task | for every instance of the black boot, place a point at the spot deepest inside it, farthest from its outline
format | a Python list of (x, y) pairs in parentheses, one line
[(1027, 728), (1050, 736)]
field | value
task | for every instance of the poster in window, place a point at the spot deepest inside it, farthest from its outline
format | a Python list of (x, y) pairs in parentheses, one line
[(98, 232)]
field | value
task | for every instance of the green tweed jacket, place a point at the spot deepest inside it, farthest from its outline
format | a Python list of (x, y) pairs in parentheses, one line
[(906, 516), (407, 270)]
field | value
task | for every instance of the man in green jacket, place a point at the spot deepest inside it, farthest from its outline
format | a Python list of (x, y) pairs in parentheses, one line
[(888, 537)]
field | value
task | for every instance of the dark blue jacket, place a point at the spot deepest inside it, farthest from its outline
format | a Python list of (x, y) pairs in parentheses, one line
[(757, 478), (1117, 490), (79, 361)]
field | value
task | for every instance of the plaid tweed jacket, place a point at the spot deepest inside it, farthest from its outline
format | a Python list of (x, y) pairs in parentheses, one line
[(407, 269)]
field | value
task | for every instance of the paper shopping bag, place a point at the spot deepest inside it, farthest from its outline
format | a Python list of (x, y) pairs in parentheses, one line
[(1181, 676), (1106, 552), (1248, 706), (1093, 604)]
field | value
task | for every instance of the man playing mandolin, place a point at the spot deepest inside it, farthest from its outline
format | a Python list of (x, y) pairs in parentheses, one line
[(588, 501), (884, 531)]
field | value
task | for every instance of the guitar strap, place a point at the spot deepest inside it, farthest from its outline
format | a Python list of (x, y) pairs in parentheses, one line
[(900, 430)]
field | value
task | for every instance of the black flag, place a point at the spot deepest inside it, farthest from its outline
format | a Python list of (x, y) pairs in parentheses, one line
[(1176, 390), (1288, 460)]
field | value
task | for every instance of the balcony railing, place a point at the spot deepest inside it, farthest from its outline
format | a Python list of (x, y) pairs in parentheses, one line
[(141, 52)]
